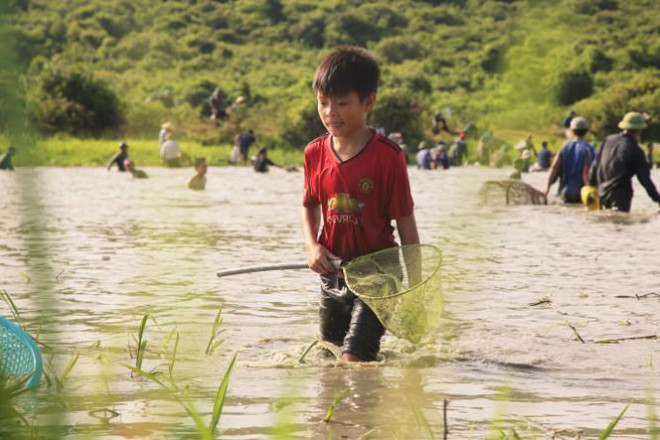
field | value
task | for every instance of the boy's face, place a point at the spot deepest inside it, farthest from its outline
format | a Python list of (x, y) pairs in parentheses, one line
[(345, 115)]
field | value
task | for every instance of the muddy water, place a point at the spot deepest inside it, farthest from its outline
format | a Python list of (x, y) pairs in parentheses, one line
[(85, 254)]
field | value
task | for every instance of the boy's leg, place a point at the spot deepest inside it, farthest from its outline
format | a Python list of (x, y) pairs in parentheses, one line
[(364, 333), (335, 305)]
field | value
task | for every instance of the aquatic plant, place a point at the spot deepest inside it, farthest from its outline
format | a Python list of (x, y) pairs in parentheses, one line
[(205, 432), (335, 401), (141, 343), (610, 428), (215, 332), (170, 364), (12, 307), (654, 431)]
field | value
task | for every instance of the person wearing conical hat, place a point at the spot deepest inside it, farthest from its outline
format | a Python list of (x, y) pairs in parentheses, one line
[(165, 129), (619, 159)]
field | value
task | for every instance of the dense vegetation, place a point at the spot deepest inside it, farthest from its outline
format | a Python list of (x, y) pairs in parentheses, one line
[(110, 67)]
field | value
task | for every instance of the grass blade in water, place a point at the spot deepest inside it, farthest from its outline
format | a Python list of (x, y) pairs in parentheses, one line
[(69, 366), (220, 396), (608, 431), (12, 307), (213, 344), (170, 365), (141, 343), (340, 395)]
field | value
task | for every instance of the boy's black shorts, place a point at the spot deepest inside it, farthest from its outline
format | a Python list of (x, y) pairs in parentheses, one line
[(348, 322)]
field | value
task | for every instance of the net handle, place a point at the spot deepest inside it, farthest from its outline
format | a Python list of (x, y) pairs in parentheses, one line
[(252, 269)]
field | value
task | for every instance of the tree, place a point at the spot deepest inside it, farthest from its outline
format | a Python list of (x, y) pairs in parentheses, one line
[(73, 101)]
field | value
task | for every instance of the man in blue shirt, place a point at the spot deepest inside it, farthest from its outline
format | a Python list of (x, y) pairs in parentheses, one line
[(423, 157), (244, 141), (572, 164), (544, 158)]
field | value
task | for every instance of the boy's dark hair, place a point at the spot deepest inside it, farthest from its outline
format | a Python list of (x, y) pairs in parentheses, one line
[(580, 131), (347, 69), (199, 161)]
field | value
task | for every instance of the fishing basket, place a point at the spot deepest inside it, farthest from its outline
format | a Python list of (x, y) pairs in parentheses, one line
[(20, 358)]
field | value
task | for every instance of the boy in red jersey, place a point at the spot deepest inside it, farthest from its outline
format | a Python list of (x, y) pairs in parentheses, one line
[(356, 180)]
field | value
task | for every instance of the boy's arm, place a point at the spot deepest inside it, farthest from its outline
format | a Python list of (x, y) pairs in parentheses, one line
[(407, 227), (318, 257)]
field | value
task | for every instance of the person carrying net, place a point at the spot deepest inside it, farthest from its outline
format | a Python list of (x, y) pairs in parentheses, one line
[(356, 180)]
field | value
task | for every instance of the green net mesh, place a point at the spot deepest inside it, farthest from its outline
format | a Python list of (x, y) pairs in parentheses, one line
[(402, 286)]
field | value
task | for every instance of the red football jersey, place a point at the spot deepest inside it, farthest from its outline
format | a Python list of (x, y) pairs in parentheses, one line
[(359, 197)]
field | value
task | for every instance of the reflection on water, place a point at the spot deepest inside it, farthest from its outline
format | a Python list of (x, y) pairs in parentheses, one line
[(520, 282)]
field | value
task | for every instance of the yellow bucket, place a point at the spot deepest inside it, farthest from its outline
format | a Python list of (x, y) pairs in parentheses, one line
[(589, 197)]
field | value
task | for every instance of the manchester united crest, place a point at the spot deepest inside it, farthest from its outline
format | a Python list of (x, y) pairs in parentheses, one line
[(366, 185)]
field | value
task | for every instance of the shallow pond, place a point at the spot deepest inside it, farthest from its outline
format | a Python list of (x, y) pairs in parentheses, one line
[(85, 254)]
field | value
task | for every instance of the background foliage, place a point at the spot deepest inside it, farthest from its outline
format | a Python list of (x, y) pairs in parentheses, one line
[(119, 67)]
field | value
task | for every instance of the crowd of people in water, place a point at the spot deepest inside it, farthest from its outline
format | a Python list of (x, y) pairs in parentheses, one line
[(596, 177)]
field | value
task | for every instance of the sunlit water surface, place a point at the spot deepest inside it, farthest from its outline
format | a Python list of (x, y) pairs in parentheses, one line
[(85, 254)]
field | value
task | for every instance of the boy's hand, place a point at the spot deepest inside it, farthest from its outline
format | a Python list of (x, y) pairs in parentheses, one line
[(318, 258)]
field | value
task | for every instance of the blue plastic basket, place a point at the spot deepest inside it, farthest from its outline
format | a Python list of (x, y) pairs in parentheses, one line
[(20, 357)]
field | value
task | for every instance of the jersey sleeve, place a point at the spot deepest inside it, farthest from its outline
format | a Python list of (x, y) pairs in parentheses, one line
[(310, 191), (400, 197)]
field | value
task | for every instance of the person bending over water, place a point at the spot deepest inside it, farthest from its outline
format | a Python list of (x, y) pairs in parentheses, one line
[(130, 167)]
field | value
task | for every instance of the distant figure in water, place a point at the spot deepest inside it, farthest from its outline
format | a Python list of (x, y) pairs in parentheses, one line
[(130, 167), (5, 159), (261, 161), (165, 130), (120, 157), (619, 159), (439, 157), (423, 157), (170, 152), (572, 163), (216, 103), (198, 181), (544, 158)]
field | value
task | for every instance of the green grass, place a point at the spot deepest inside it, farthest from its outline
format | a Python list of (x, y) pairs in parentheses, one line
[(205, 432), (70, 151)]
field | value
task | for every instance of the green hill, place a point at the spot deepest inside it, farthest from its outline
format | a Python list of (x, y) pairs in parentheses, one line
[(120, 67)]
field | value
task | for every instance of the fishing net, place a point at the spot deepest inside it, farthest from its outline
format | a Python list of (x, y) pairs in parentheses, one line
[(402, 286), (513, 192)]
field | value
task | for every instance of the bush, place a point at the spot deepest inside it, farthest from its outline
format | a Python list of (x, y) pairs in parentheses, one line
[(302, 124), (398, 110), (605, 110), (72, 101), (572, 86), (395, 50)]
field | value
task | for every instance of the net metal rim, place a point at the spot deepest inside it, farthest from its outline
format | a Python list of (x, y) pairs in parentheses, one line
[(435, 249)]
